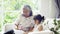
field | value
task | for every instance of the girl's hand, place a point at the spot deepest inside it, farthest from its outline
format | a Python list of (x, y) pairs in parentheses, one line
[(40, 28)]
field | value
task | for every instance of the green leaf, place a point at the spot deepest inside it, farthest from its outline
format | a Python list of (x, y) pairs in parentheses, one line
[(55, 22), (58, 22)]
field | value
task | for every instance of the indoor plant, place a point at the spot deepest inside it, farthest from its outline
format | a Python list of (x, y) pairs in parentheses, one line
[(57, 26)]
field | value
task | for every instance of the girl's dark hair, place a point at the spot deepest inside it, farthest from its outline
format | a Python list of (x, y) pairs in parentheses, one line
[(39, 17)]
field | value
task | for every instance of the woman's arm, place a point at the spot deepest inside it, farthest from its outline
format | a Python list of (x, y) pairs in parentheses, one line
[(40, 28), (17, 22)]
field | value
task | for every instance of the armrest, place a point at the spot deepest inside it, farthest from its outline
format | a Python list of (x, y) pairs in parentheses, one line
[(42, 32), (8, 27)]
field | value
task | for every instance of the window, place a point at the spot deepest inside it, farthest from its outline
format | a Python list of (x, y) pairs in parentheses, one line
[(10, 9)]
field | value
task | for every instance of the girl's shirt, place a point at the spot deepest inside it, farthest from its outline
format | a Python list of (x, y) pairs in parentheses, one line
[(36, 27)]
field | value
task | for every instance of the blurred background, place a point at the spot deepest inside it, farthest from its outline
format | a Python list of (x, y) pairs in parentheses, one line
[(10, 9)]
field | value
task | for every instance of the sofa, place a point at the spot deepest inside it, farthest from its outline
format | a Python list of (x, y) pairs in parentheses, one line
[(48, 23)]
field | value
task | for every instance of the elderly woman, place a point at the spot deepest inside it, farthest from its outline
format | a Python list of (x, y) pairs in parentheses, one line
[(25, 21)]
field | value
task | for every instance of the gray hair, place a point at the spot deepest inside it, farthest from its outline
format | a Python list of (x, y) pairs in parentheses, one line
[(29, 8)]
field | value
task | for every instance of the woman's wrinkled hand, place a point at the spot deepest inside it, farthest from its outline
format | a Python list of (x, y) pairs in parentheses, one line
[(25, 33)]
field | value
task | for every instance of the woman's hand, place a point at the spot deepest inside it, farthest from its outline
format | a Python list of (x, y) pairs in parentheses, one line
[(25, 33), (31, 29), (16, 26)]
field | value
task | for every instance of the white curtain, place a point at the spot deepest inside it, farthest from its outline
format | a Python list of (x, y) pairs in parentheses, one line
[(49, 8)]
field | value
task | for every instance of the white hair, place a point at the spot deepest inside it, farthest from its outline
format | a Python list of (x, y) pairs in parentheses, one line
[(28, 7)]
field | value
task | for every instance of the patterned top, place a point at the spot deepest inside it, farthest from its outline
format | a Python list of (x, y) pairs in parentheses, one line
[(25, 23)]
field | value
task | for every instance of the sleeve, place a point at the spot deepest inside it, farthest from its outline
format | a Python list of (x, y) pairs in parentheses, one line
[(17, 21), (32, 23)]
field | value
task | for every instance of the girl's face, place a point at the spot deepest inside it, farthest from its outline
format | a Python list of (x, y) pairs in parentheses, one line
[(26, 12), (37, 22)]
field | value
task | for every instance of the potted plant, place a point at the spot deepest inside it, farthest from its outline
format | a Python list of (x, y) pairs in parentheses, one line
[(57, 26)]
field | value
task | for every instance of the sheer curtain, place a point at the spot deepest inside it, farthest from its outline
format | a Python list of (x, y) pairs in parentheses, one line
[(58, 4), (49, 9)]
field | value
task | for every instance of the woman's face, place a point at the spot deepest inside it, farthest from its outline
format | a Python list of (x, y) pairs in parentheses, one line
[(26, 12)]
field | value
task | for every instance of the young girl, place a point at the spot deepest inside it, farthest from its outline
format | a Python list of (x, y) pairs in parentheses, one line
[(38, 26), (38, 20)]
